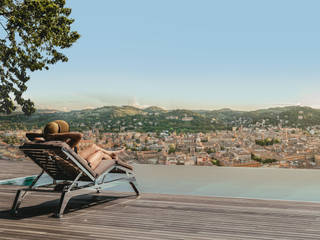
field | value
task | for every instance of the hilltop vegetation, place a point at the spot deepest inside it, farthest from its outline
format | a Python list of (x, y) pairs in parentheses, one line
[(155, 119)]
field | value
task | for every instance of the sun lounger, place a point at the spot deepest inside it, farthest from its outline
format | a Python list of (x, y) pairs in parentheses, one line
[(71, 175)]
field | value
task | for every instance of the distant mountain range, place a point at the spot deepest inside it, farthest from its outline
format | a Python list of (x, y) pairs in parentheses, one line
[(128, 118)]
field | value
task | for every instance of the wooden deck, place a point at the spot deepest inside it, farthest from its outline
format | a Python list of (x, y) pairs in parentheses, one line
[(153, 216)]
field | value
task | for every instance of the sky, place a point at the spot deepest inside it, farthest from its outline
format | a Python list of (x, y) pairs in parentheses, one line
[(204, 54)]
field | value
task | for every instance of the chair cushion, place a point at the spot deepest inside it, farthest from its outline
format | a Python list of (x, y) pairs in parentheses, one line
[(124, 164), (104, 166)]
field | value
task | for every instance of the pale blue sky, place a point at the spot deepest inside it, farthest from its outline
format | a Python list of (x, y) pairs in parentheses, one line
[(196, 54)]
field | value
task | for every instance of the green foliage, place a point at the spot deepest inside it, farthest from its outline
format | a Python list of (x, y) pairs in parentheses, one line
[(172, 149), (216, 162), (267, 142), (144, 149), (10, 139), (209, 151), (263, 161), (33, 32), (255, 158), (126, 118), (269, 160)]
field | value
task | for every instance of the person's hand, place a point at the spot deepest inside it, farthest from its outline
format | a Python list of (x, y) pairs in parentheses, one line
[(114, 156)]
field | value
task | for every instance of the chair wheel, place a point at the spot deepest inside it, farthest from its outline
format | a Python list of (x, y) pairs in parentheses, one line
[(57, 215), (14, 212)]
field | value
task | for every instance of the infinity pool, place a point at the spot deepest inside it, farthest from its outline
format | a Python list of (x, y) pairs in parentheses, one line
[(258, 183)]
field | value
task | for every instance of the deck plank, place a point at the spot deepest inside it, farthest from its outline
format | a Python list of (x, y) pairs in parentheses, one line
[(157, 216), (111, 215)]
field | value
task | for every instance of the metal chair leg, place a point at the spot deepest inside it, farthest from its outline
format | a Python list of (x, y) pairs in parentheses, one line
[(134, 188), (17, 201), (62, 204)]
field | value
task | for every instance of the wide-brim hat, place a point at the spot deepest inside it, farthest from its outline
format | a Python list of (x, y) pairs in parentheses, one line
[(57, 126), (63, 126)]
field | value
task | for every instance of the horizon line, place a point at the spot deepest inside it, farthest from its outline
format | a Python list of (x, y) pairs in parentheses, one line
[(177, 108)]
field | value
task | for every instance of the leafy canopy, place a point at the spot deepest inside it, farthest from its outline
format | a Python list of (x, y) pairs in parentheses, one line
[(32, 35)]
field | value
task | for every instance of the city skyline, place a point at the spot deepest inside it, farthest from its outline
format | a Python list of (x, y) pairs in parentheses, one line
[(186, 54)]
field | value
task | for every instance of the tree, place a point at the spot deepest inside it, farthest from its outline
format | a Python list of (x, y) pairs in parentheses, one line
[(172, 149), (32, 35)]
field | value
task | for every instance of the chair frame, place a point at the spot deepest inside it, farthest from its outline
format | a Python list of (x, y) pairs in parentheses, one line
[(73, 187)]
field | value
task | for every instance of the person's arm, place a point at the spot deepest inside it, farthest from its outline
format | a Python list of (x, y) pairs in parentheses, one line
[(113, 154), (34, 136), (71, 138)]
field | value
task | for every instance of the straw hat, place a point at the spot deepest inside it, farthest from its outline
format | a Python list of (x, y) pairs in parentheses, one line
[(63, 126), (57, 126)]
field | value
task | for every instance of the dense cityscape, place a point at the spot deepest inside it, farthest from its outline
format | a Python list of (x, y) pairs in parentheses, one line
[(240, 147)]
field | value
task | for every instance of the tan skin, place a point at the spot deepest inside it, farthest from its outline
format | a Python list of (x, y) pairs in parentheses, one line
[(34, 136), (93, 154)]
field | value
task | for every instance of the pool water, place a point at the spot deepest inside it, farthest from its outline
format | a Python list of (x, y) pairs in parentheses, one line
[(257, 183), (21, 181), (121, 186)]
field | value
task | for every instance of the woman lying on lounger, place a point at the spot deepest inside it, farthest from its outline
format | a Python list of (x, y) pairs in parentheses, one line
[(59, 131)]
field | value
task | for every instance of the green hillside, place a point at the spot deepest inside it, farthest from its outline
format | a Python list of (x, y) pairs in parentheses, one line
[(128, 118)]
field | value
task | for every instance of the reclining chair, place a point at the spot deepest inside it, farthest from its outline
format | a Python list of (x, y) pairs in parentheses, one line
[(70, 173)]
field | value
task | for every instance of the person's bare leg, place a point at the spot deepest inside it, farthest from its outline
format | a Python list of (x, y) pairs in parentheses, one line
[(94, 148), (112, 153)]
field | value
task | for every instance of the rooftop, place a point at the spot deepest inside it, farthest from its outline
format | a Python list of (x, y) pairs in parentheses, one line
[(114, 215)]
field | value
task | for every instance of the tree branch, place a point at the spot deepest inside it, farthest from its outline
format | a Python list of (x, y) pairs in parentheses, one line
[(4, 28)]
